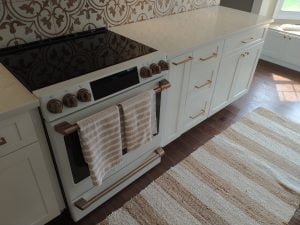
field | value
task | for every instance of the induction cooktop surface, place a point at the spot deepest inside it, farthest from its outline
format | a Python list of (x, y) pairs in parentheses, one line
[(43, 63)]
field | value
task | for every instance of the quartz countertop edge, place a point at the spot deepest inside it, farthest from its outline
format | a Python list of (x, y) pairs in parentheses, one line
[(180, 33), (14, 97), (278, 28)]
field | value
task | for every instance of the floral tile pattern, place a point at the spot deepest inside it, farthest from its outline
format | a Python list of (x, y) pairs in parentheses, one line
[(23, 21), (6, 29)]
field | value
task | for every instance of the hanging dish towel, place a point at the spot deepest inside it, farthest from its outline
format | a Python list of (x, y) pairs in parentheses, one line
[(100, 137), (139, 119)]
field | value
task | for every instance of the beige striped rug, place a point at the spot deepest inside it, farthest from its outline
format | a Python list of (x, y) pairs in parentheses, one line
[(249, 174)]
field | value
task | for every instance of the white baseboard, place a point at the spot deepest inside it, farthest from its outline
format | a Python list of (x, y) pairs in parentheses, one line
[(280, 62)]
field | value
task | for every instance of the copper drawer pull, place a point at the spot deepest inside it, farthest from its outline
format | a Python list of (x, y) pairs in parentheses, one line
[(203, 85), (2, 141), (214, 55), (247, 41), (199, 114), (184, 61)]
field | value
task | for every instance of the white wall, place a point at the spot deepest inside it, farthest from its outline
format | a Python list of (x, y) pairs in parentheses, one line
[(268, 7)]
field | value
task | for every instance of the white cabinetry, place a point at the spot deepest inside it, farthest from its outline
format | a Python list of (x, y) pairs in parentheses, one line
[(282, 48), (235, 76), (245, 70), (178, 77), (209, 78), (202, 78), (26, 195)]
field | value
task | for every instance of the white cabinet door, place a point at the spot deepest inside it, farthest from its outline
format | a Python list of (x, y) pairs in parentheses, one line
[(227, 70), (275, 45), (176, 95), (245, 71), (292, 48), (26, 193), (235, 76)]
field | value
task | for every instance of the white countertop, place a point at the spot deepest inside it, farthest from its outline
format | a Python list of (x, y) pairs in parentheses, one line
[(14, 97), (278, 27), (179, 33)]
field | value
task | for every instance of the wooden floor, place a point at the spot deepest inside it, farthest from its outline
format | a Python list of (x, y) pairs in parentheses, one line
[(274, 87)]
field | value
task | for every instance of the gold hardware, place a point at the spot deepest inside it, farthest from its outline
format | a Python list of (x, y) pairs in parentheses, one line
[(162, 85), (2, 141), (203, 85), (199, 114), (183, 61), (247, 41), (83, 203), (214, 55)]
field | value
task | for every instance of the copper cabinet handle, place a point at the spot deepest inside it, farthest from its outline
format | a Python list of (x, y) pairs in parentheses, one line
[(183, 61), (203, 85), (199, 114), (2, 141), (247, 41), (214, 55)]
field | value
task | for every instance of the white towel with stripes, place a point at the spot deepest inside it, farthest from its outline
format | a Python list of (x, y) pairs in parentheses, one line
[(139, 119), (100, 138)]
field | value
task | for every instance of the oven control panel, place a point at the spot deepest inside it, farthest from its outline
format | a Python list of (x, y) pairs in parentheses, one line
[(62, 103)]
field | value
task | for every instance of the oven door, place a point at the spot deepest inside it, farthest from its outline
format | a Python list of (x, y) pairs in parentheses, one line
[(73, 170)]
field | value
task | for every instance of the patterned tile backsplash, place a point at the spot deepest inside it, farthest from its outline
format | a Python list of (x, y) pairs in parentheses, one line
[(23, 21)]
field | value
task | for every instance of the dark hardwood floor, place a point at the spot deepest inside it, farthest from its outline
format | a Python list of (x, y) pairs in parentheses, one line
[(274, 87)]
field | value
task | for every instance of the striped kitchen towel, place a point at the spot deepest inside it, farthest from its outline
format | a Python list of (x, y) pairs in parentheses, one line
[(139, 119), (100, 138)]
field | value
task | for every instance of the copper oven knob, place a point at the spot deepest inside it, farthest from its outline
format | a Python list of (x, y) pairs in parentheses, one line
[(145, 72), (164, 65), (84, 95), (70, 100), (155, 68), (55, 106)]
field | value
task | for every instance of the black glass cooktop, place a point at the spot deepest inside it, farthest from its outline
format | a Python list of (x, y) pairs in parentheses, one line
[(43, 63)]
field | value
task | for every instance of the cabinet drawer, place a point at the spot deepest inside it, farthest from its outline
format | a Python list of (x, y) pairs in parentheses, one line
[(202, 78), (208, 54), (196, 109), (15, 133), (245, 38)]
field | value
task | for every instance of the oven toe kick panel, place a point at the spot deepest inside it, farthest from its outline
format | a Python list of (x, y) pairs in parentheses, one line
[(90, 200)]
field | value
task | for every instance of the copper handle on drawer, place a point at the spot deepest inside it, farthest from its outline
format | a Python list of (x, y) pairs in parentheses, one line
[(2, 141), (214, 55), (203, 85), (183, 61), (247, 41), (199, 114)]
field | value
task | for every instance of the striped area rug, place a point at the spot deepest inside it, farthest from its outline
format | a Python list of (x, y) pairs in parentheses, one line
[(247, 175)]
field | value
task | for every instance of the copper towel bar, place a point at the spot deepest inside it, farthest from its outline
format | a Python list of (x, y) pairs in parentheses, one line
[(66, 128)]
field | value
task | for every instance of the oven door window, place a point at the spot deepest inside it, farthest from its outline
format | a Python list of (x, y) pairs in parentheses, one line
[(79, 168)]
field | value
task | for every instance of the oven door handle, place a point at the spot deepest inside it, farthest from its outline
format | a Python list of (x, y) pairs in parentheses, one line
[(66, 128), (83, 204)]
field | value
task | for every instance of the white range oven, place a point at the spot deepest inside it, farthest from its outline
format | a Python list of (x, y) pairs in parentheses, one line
[(80, 75)]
